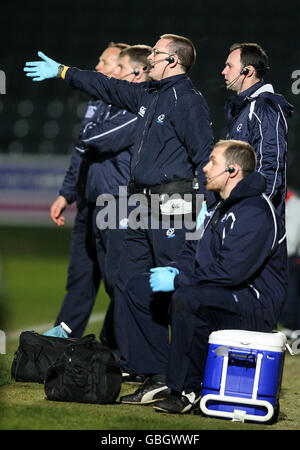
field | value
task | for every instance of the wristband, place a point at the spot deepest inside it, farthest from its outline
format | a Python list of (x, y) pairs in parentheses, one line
[(61, 71)]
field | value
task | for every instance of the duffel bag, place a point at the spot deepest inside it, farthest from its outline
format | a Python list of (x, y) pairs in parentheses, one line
[(36, 353), (86, 372)]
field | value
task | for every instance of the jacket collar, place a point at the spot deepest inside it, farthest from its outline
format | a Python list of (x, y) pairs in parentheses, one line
[(252, 185), (166, 83), (251, 90), (237, 101)]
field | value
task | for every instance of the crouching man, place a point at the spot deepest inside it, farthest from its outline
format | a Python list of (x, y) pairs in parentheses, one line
[(233, 277)]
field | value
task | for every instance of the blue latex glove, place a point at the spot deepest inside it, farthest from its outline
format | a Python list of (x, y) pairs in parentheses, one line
[(41, 70), (201, 216), (61, 331), (162, 278)]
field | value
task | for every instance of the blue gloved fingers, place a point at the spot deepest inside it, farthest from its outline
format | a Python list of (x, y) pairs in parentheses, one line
[(32, 74), (31, 64), (162, 281), (167, 268), (45, 57), (41, 70), (154, 282), (36, 76), (157, 269), (155, 287)]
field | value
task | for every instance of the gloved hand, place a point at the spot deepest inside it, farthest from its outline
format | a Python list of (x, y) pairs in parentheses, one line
[(162, 278), (201, 215), (61, 331), (41, 70)]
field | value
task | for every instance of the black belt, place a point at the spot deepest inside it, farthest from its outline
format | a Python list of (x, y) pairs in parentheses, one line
[(174, 187)]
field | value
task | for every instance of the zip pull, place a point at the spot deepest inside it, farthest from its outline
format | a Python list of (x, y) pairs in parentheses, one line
[(195, 181)]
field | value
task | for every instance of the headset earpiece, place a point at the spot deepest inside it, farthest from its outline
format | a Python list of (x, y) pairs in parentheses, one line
[(230, 169), (245, 71), (170, 59)]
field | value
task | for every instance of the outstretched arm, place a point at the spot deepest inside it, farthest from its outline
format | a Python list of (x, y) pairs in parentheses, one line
[(120, 93)]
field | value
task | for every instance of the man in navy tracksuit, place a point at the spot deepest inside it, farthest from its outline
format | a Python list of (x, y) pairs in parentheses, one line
[(235, 276), (100, 163), (173, 142), (257, 115)]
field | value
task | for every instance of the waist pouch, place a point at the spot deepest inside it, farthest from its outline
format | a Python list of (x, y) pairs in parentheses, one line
[(173, 206), (174, 187), (86, 372), (36, 353)]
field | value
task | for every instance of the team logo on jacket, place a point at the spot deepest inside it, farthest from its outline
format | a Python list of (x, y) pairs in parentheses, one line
[(161, 118), (239, 127), (124, 223), (170, 233), (142, 111)]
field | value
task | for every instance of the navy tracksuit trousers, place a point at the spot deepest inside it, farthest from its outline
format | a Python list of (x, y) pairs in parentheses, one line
[(193, 313), (142, 250)]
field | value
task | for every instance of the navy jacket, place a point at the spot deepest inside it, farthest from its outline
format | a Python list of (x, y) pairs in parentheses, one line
[(101, 158), (243, 247), (173, 134), (258, 116)]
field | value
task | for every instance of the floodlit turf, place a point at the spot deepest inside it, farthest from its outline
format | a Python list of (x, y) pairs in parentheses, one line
[(34, 267), (24, 407)]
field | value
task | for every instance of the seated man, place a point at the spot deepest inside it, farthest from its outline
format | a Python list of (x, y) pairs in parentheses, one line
[(233, 277)]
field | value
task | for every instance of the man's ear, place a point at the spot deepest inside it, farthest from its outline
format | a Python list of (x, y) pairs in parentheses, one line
[(140, 74)]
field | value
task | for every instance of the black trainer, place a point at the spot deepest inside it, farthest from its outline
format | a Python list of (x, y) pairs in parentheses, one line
[(152, 390), (133, 379), (179, 403)]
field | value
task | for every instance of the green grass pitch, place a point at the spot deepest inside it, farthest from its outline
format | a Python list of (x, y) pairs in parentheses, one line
[(34, 265)]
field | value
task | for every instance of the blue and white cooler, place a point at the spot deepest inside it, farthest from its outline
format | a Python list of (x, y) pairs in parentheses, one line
[(243, 374)]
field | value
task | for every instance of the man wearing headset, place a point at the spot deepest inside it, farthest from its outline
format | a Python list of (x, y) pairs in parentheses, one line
[(234, 277), (173, 142), (100, 163), (257, 115)]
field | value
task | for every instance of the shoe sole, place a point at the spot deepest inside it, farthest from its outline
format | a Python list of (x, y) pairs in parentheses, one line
[(147, 402), (189, 409)]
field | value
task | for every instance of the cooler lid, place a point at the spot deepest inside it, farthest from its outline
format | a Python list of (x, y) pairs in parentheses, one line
[(274, 341)]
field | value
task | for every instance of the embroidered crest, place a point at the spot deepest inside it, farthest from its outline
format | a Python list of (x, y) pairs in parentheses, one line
[(161, 118), (170, 233), (239, 127)]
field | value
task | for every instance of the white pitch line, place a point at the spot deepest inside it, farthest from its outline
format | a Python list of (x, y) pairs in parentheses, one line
[(98, 317)]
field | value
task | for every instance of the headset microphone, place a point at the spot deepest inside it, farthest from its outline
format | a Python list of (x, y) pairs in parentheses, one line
[(169, 59), (136, 72), (244, 71), (228, 169)]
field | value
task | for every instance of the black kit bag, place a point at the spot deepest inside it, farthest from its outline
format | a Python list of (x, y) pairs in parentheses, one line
[(36, 353), (86, 372)]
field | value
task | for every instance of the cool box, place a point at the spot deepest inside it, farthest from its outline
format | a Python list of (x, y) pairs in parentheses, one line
[(243, 373)]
